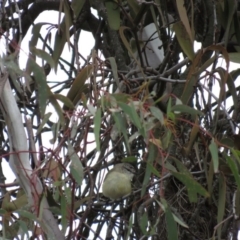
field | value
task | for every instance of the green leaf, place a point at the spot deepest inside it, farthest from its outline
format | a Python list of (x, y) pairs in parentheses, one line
[(121, 125), (236, 154), (74, 129), (14, 70), (186, 109), (60, 40), (130, 159), (214, 152), (129, 227), (55, 130), (184, 18), (43, 55), (236, 25), (121, 97), (68, 20), (114, 69), (67, 102), (131, 112), (134, 6), (231, 6), (97, 127), (206, 64), (42, 87), (167, 139), (234, 170), (157, 114), (36, 33), (153, 170), (232, 89), (235, 74), (78, 86), (170, 222), (144, 223), (113, 15), (24, 229), (234, 57), (111, 100), (55, 210), (169, 106), (179, 220), (77, 6), (181, 167), (3, 211), (64, 214), (68, 194), (57, 107), (188, 89), (221, 203), (184, 39), (27, 214), (127, 45), (76, 168), (193, 187)]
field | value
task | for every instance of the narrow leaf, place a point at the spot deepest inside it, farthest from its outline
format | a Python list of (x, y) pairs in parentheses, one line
[(77, 6), (43, 55), (78, 86), (114, 69), (234, 170), (186, 109), (67, 102), (193, 187), (184, 39), (60, 40), (121, 125), (231, 7), (68, 21), (234, 57), (36, 33), (42, 87), (64, 209), (130, 159), (144, 223), (76, 168), (214, 152), (170, 222), (132, 113), (157, 114), (153, 170), (97, 127), (221, 203), (186, 178), (57, 107), (184, 17), (113, 14)]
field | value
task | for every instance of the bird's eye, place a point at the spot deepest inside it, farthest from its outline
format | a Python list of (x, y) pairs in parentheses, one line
[(130, 168)]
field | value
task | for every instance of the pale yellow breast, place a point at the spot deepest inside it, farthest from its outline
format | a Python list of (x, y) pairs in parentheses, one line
[(116, 185)]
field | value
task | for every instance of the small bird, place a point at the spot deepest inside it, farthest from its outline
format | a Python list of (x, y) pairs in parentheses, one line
[(117, 182)]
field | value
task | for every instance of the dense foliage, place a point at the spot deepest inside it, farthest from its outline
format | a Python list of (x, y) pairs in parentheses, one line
[(145, 95)]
